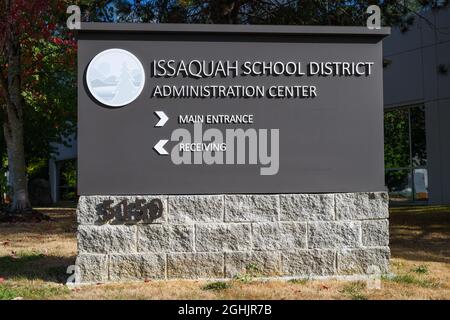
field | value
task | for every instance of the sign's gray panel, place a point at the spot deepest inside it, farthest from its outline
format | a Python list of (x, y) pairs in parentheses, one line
[(330, 143)]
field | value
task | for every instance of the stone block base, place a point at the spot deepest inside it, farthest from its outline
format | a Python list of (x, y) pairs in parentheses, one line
[(128, 238)]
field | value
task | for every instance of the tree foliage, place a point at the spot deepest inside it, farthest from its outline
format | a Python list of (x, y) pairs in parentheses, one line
[(47, 70), (37, 53), (37, 88), (285, 12)]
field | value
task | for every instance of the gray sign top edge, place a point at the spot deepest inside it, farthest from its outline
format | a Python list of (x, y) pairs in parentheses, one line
[(232, 29)]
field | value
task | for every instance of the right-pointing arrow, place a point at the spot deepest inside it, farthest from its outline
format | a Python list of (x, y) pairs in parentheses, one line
[(159, 147), (162, 118)]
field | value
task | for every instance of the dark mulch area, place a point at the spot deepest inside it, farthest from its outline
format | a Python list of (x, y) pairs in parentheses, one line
[(28, 216), (420, 233)]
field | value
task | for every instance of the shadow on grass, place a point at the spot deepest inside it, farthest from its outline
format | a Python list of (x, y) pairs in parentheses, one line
[(34, 266), (420, 233)]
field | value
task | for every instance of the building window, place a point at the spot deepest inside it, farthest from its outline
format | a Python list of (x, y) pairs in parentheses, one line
[(68, 180), (405, 154)]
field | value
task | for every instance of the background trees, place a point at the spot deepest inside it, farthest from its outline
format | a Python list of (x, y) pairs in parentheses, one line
[(37, 58), (296, 12), (37, 91)]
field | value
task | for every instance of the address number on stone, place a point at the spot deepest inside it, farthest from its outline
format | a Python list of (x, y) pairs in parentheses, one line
[(140, 210)]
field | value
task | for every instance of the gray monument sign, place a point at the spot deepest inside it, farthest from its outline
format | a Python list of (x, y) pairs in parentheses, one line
[(206, 149)]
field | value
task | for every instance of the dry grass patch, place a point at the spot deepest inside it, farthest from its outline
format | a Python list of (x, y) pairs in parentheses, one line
[(34, 258), (56, 237)]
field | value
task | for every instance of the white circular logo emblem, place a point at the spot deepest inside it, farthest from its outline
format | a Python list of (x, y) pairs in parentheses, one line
[(115, 77)]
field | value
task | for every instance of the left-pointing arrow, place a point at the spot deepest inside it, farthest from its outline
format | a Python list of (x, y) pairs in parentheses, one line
[(159, 147), (162, 118)]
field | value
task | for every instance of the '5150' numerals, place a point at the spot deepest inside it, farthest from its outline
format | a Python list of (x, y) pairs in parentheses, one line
[(137, 211)]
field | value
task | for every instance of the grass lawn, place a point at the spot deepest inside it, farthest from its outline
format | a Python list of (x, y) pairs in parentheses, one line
[(34, 258)]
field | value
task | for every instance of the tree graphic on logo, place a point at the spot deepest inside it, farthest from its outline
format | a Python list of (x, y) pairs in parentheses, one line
[(115, 77), (125, 87)]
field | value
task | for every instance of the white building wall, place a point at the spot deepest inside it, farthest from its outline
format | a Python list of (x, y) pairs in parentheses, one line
[(413, 77), (62, 153)]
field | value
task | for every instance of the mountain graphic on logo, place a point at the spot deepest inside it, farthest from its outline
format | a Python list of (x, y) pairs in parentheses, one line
[(115, 78)]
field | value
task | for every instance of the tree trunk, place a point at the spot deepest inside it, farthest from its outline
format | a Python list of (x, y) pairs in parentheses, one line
[(13, 131)]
